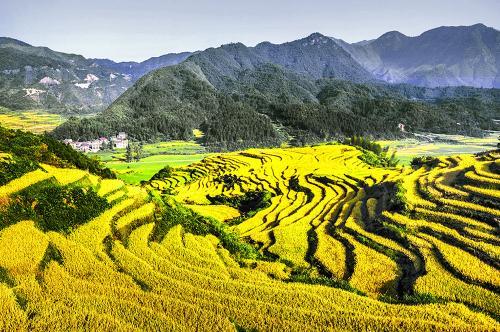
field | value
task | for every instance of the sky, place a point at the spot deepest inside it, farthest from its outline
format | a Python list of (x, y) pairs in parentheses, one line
[(134, 30)]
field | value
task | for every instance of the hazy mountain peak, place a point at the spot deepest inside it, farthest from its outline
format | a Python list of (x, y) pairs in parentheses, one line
[(459, 31), (264, 44), (361, 42), (480, 25), (392, 35), (443, 56), (315, 38), (235, 45), (316, 35)]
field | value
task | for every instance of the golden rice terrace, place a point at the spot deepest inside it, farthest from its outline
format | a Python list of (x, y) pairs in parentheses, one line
[(343, 246)]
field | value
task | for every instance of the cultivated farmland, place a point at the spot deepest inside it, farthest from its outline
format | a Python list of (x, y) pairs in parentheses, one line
[(339, 245), (36, 121)]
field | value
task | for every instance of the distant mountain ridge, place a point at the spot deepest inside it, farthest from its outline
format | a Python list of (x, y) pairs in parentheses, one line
[(444, 56), (138, 69), (315, 57), (38, 77)]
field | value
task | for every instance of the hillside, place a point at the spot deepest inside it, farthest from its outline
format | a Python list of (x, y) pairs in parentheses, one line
[(138, 69), (38, 77), (335, 248), (22, 152), (444, 56), (392, 234)]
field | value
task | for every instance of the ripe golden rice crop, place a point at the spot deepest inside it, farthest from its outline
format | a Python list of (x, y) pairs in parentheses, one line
[(23, 182), (331, 228), (219, 212), (108, 186)]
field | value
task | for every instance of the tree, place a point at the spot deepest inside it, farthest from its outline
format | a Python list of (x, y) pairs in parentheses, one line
[(138, 151), (129, 155), (105, 145)]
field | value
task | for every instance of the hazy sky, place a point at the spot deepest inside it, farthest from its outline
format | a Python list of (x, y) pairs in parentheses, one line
[(138, 29)]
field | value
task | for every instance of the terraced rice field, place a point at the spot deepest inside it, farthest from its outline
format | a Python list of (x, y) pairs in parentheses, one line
[(330, 215)]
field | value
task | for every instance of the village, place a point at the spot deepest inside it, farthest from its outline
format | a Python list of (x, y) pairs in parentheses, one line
[(119, 141)]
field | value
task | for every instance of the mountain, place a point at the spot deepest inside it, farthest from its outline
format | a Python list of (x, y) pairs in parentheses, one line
[(304, 91), (313, 57), (272, 68), (445, 56), (7, 40), (38, 77), (203, 90)]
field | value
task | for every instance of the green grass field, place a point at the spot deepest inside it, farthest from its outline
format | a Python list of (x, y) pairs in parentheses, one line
[(144, 169), (157, 156), (36, 121), (161, 148), (173, 147)]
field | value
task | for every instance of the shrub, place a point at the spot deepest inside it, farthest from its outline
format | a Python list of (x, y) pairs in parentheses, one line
[(397, 200), (164, 173), (54, 207), (248, 203), (424, 161), (373, 153), (14, 168)]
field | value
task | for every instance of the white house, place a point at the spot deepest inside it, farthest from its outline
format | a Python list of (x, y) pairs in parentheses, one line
[(120, 141)]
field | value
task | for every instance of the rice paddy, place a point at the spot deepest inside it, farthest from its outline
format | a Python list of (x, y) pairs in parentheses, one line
[(37, 121), (346, 246)]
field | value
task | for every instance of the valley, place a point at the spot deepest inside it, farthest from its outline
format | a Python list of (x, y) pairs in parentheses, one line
[(154, 157), (182, 153), (143, 170)]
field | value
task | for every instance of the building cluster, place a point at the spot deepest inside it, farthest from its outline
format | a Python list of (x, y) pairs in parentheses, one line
[(119, 141)]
